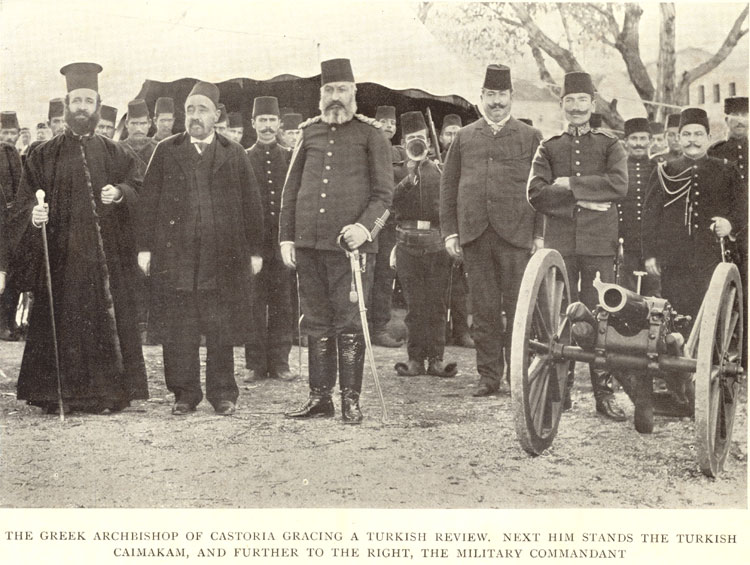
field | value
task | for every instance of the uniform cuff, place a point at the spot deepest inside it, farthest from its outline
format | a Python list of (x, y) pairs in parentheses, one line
[(451, 236), (369, 235)]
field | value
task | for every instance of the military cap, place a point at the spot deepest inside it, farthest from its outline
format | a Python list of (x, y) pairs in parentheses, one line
[(497, 77), (595, 121), (137, 109), (385, 113), (81, 75), (291, 121), (8, 120), (109, 113), (576, 82), (234, 120), (164, 105), (412, 122), (336, 70), (673, 121), (656, 128), (56, 108), (268, 105), (207, 89), (694, 116), (451, 120), (735, 105), (637, 125)]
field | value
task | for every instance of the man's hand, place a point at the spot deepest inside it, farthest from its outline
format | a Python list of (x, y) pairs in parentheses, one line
[(721, 226), (652, 267), (563, 182), (354, 236), (2, 282), (111, 194), (144, 261), (256, 264), (453, 248), (536, 244), (595, 206), (288, 256), (40, 215)]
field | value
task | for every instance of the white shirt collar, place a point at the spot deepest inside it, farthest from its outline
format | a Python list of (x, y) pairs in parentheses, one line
[(499, 124), (208, 141)]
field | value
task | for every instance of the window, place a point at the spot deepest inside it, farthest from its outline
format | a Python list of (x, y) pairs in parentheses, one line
[(701, 94), (717, 94), (732, 89)]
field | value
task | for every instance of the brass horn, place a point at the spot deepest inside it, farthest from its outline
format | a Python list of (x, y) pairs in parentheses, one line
[(416, 149)]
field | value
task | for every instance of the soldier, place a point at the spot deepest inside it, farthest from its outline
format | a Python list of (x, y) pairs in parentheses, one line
[(576, 177), (137, 126), (734, 148), (485, 218), (222, 124), (658, 141), (55, 123), (43, 133), (9, 128), (235, 127), (163, 118), (672, 135), (421, 260), (10, 178), (269, 343), (449, 130), (289, 130), (339, 187), (201, 228), (107, 122)]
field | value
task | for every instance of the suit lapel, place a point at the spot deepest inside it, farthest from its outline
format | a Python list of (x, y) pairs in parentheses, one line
[(184, 153)]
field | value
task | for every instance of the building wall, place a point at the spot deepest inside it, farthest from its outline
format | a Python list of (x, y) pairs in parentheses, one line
[(710, 91)]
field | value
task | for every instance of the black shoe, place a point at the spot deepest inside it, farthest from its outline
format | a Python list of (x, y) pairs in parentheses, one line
[(484, 389), (384, 339), (411, 368), (350, 412), (255, 375), (607, 407), (282, 373), (182, 408), (225, 408), (317, 406), (436, 368)]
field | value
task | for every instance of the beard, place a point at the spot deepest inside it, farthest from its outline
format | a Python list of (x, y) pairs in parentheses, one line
[(137, 141), (337, 112), (81, 122)]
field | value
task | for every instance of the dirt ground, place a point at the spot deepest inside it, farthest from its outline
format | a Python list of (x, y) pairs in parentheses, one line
[(440, 448)]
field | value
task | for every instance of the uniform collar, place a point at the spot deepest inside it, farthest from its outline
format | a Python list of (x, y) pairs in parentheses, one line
[(579, 130)]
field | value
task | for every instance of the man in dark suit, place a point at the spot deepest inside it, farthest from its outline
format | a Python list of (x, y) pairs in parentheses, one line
[(339, 188), (200, 238), (485, 218), (575, 179), (10, 178)]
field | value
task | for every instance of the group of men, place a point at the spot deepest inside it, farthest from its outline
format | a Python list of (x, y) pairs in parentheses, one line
[(220, 233)]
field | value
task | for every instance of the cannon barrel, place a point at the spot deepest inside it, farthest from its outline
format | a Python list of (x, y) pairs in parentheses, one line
[(622, 302)]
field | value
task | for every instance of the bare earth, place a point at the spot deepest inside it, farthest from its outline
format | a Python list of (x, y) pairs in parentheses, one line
[(440, 448)]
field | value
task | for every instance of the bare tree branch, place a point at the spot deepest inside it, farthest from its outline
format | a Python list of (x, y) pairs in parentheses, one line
[(628, 44), (424, 10), (562, 56), (564, 20), (665, 65)]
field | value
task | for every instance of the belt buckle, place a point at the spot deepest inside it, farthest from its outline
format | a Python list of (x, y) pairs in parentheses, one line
[(422, 225)]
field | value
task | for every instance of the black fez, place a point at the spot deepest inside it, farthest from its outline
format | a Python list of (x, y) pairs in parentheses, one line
[(207, 89), (164, 105), (336, 70), (673, 121), (137, 109), (637, 125), (81, 75), (656, 128), (385, 113), (497, 77), (9, 120), (527, 121), (694, 116), (412, 122), (451, 120), (268, 105), (577, 82), (222, 113), (735, 105), (56, 108), (291, 121), (109, 113), (595, 121), (234, 120)]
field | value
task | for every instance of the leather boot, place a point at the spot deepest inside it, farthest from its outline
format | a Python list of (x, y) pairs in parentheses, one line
[(604, 395), (321, 355), (351, 367)]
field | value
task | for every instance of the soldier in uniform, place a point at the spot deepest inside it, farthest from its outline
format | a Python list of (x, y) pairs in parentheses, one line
[(137, 142), (421, 260), (235, 127), (485, 218), (269, 342), (576, 178), (9, 128), (672, 135), (289, 131), (734, 148), (658, 141), (10, 178), (222, 124), (339, 188), (163, 118), (107, 122)]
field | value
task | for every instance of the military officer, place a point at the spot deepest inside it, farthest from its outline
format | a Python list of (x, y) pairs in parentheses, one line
[(734, 148), (163, 117), (107, 121), (339, 189), (137, 142), (672, 134), (575, 179)]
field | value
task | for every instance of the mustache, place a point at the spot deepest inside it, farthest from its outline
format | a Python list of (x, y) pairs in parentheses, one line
[(577, 112), (334, 105), (693, 144), (195, 122), (640, 146), (266, 130), (497, 106)]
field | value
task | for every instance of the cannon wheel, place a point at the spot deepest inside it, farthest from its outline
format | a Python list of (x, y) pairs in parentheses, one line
[(537, 379), (717, 391)]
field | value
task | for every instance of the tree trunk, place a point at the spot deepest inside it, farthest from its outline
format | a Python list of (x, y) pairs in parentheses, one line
[(665, 65), (628, 44)]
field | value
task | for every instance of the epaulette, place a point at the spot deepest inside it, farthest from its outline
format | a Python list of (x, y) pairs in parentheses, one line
[(371, 121), (603, 132), (310, 121)]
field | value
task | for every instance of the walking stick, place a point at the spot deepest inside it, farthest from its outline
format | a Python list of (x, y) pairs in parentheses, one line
[(299, 329), (40, 201)]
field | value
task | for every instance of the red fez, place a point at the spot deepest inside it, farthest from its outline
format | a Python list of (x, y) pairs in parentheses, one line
[(291, 121), (451, 120), (637, 125), (595, 121), (528, 121), (412, 122), (164, 105), (137, 109), (577, 82), (336, 70), (207, 89), (735, 105), (109, 114), (234, 120), (694, 116), (385, 113), (56, 108), (497, 77), (656, 128), (8, 120), (673, 121), (266, 105), (82, 75)]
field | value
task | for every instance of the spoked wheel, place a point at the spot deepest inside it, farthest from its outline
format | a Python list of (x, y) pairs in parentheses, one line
[(537, 377), (719, 354)]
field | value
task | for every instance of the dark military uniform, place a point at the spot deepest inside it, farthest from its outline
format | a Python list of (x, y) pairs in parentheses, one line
[(269, 343), (732, 150), (665, 157), (10, 177)]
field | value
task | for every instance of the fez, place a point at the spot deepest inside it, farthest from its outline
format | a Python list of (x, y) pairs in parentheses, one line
[(527, 121), (137, 109), (81, 75), (164, 105), (577, 82), (694, 116), (9, 120), (673, 121), (595, 121), (412, 122), (637, 125), (222, 114), (336, 70), (735, 105), (265, 105), (451, 120), (497, 77), (385, 113), (109, 114), (286, 110), (291, 121), (656, 128), (207, 89), (56, 108), (234, 120)]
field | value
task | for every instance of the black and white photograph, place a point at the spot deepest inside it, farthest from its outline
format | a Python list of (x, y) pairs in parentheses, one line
[(337, 282)]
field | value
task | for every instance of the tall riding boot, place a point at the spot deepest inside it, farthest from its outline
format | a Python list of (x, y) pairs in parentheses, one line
[(321, 355), (606, 405), (351, 367)]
